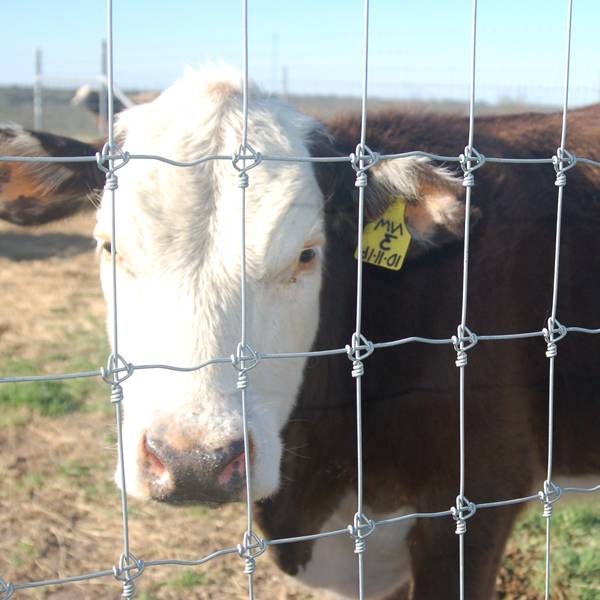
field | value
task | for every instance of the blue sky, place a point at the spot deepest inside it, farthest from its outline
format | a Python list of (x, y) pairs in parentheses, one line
[(418, 48)]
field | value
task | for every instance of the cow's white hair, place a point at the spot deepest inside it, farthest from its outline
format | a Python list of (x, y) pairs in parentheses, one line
[(178, 241)]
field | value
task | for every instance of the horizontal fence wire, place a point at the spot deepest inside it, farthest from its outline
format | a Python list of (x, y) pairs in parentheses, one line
[(243, 159), (350, 159), (130, 368)]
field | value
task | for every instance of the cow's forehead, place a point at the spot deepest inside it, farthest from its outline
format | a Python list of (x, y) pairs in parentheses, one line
[(175, 208)]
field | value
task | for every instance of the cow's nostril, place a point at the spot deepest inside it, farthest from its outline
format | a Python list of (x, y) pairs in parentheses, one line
[(153, 464), (234, 470), (235, 463)]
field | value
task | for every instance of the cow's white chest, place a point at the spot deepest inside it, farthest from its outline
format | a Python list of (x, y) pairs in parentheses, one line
[(333, 566)]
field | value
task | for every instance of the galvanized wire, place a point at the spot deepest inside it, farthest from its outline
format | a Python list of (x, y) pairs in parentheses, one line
[(506, 160), (251, 546), (126, 559), (549, 493), (464, 339), (361, 526), (130, 367), (112, 158)]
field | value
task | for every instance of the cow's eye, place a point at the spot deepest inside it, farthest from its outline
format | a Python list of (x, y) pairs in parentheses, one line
[(107, 247), (306, 262), (307, 256)]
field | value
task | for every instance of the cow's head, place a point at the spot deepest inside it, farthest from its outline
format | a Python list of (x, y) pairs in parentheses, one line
[(178, 270)]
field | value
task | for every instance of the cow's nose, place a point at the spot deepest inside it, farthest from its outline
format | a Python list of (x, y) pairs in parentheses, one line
[(190, 473)]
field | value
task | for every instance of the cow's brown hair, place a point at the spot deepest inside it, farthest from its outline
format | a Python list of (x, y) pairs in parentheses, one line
[(32, 193)]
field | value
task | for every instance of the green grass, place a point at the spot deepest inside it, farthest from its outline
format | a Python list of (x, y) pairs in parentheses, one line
[(56, 398), (48, 398), (188, 579), (575, 552), (146, 596), (85, 477), (23, 554), (183, 582)]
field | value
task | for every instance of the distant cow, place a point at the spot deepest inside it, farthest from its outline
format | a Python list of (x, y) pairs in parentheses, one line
[(88, 97), (179, 303)]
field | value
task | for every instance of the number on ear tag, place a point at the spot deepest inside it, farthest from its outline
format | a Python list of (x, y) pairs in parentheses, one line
[(386, 240)]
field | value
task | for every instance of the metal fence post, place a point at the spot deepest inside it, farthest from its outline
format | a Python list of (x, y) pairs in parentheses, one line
[(37, 91), (102, 92)]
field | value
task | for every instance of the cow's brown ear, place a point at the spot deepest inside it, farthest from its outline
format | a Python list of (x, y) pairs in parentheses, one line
[(435, 208), (35, 193)]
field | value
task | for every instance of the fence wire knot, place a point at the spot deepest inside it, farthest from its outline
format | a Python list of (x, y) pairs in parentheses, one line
[(359, 531), (463, 341), (362, 159), (239, 160), (117, 370), (548, 496), (353, 350), (128, 569), (7, 589), (554, 332), (563, 160), (243, 180), (244, 359), (463, 510), (250, 549), (116, 394), (470, 161), (116, 158)]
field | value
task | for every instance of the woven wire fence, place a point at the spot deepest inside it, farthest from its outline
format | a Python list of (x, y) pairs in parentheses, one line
[(245, 357)]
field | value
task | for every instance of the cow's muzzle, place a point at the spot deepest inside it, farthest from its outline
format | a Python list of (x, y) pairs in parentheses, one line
[(191, 473)]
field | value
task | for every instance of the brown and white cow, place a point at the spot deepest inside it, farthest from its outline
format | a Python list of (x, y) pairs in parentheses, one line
[(179, 303)]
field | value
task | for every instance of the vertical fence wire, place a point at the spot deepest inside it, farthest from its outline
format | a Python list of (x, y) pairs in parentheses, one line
[(360, 521), (247, 550), (549, 494), (122, 571), (461, 362)]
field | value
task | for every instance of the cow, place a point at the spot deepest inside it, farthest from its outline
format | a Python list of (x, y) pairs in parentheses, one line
[(178, 254), (88, 97)]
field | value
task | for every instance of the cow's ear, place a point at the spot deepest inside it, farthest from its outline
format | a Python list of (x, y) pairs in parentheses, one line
[(435, 207), (32, 193)]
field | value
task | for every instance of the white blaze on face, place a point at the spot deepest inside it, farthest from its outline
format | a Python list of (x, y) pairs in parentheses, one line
[(178, 242)]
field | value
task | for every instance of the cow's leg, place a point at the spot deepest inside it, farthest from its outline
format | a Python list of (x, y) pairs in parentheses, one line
[(435, 555)]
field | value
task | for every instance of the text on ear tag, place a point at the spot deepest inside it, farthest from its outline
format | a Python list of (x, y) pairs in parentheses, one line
[(386, 240)]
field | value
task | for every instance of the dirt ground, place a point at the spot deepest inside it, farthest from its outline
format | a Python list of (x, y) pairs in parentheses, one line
[(60, 510)]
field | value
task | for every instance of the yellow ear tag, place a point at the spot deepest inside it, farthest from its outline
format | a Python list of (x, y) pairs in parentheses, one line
[(386, 240)]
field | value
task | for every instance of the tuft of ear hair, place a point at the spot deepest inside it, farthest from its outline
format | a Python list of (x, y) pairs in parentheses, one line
[(32, 193), (435, 210)]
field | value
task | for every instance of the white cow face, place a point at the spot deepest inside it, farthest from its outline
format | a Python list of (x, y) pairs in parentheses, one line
[(178, 240)]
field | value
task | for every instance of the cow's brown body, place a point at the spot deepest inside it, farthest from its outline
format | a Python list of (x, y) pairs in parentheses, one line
[(410, 393)]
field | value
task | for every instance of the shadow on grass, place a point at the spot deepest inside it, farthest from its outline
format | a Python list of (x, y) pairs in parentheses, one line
[(28, 246)]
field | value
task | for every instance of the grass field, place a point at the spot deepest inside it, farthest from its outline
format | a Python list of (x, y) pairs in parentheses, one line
[(60, 509)]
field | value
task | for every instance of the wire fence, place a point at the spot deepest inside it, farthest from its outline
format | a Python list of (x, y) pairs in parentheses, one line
[(245, 357)]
